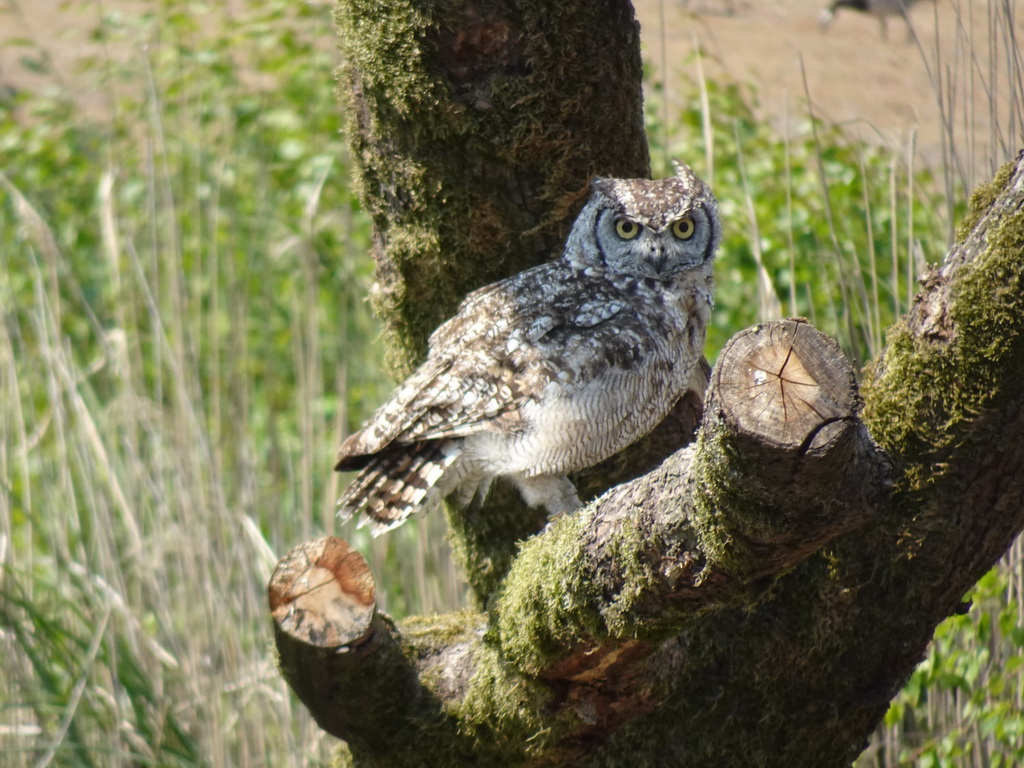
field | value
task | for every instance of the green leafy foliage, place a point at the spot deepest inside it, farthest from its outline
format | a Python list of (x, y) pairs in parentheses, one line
[(965, 703)]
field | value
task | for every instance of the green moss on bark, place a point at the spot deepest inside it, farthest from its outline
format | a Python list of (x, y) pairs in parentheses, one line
[(546, 604), (924, 395), (981, 200), (715, 470)]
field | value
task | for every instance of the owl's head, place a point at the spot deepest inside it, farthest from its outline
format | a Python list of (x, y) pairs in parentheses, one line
[(649, 228)]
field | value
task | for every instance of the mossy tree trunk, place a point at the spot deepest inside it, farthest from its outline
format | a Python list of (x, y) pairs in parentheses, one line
[(755, 599)]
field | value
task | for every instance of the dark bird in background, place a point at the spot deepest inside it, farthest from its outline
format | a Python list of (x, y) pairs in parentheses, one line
[(880, 9)]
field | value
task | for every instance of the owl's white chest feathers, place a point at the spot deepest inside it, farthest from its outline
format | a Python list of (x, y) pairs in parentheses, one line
[(607, 388)]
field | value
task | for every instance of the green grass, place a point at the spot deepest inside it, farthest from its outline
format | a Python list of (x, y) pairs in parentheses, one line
[(184, 330), (185, 336)]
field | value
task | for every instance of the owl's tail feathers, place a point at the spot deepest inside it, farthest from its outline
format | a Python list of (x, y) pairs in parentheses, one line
[(397, 482)]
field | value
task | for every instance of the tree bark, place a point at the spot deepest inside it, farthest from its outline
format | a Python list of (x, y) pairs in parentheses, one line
[(755, 599)]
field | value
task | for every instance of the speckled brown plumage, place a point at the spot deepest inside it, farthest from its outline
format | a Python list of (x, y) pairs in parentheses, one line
[(554, 369)]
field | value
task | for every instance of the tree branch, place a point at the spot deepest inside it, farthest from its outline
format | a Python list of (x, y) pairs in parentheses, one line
[(594, 606), (946, 400)]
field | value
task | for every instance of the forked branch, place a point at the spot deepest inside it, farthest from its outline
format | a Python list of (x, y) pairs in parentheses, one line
[(579, 636)]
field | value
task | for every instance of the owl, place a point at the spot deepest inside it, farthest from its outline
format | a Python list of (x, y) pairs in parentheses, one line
[(554, 369)]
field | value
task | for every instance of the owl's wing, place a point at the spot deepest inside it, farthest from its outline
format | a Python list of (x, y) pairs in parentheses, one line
[(439, 400), (483, 364)]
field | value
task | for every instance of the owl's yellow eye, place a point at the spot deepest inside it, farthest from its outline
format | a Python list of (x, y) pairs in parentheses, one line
[(683, 228), (626, 229)]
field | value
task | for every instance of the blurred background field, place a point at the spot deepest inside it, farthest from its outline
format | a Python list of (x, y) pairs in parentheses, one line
[(185, 337)]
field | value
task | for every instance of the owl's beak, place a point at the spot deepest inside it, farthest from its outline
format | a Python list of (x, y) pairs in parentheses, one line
[(659, 260)]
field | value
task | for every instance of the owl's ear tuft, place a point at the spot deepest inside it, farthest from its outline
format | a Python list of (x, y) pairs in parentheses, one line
[(683, 171)]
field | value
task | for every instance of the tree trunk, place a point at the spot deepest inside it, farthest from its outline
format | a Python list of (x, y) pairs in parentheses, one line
[(754, 599)]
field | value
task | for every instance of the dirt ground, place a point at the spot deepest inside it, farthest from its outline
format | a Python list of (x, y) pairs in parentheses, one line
[(882, 89)]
